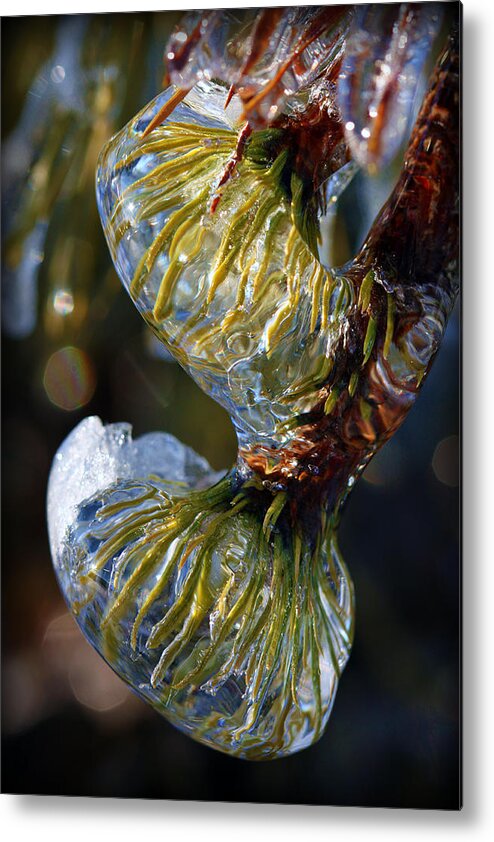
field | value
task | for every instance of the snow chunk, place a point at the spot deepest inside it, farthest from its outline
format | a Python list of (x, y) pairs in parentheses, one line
[(94, 456)]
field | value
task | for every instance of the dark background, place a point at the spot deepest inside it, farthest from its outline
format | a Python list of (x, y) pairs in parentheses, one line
[(69, 726)]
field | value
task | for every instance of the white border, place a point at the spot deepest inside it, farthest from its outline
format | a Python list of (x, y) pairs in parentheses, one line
[(74, 819)]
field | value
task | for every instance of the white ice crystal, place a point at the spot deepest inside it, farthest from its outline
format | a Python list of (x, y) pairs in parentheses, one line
[(94, 456)]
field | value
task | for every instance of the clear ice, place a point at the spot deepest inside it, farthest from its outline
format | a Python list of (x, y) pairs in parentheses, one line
[(223, 600), (121, 564)]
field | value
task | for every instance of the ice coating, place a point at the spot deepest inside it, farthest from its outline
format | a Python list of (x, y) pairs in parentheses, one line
[(227, 308), (110, 500), (386, 49), (228, 606), (269, 57), (297, 353)]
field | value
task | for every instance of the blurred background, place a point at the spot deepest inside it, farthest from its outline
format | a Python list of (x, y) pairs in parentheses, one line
[(73, 345)]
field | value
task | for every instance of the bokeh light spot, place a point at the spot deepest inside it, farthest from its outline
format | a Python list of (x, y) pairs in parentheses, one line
[(93, 683), (445, 462), (69, 378), (63, 302), (57, 74)]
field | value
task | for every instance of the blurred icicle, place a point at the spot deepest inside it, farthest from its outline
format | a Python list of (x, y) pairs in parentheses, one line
[(19, 286), (29, 162), (75, 102)]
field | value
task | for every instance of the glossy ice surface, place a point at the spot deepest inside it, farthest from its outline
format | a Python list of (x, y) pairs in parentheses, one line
[(243, 298), (255, 650), (378, 84), (224, 601), (237, 295)]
